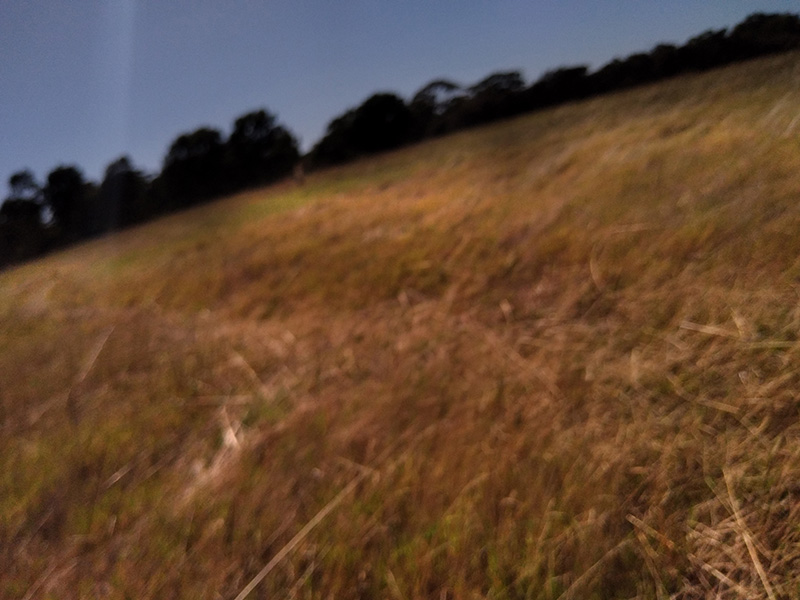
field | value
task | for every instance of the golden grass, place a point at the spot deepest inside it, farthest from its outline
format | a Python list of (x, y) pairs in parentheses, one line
[(552, 358)]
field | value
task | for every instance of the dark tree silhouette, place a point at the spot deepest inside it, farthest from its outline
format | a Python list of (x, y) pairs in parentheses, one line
[(194, 168), (505, 82), (123, 195), (705, 51), (17, 209), (70, 200), (497, 96), (381, 122), (623, 73), (22, 185), (763, 34), (437, 94), (337, 145), (260, 150), (429, 105), (666, 61), (559, 85), (22, 233)]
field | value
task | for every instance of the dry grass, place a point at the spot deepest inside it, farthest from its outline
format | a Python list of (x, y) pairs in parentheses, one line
[(554, 358)]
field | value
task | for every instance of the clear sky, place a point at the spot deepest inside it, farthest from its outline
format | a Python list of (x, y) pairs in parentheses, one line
[(85, 81)]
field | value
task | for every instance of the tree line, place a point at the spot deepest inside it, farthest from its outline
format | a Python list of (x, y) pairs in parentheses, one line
[(37, 217), (200, 165)]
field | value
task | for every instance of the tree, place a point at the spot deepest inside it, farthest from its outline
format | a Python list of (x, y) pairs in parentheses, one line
[(69, 198), (23, 186), (665, 60), (505, 82), (194, 168), (430, 103), (123, 195), (559, 85), (708, 50), (437, 94), (337, 145), (382, 122), (622, 73), (22, 233), (497, 96), (260, 150), (762, 34)]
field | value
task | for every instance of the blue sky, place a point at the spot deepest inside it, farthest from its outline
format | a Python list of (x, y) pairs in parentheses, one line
[(85, 81)]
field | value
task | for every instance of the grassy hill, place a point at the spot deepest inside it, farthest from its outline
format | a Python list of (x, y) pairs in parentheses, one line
[(552, 358)]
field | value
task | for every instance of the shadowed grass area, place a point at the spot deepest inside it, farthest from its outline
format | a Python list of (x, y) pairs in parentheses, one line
[(552, 358)]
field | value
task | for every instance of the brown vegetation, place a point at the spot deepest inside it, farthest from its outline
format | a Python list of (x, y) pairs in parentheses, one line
[(554, 358)]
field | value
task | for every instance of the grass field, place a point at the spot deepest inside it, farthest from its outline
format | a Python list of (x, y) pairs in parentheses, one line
[(552, 358)]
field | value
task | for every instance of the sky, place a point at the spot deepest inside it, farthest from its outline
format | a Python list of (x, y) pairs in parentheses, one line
[(83, 82)]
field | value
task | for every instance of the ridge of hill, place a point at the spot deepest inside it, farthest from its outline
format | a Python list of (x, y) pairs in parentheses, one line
[(550, 358)]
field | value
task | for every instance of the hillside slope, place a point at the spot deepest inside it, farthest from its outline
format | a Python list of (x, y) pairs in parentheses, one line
[(553, 358)]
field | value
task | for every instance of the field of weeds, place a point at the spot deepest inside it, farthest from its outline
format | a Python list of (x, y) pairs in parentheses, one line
[(552, 358)]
